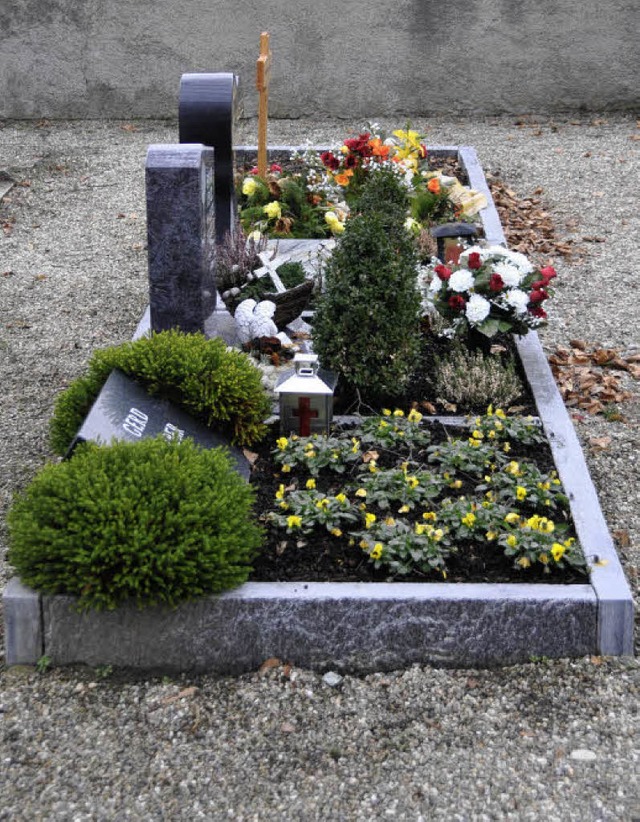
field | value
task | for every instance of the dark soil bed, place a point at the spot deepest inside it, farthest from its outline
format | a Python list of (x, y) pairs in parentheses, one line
[(319, 557)]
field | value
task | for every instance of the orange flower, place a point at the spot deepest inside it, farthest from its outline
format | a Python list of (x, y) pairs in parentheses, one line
[(434, 185), (342, 179), (378, 148)]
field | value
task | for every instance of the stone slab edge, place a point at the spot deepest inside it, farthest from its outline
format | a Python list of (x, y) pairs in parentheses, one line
[(615, 602), (350, 627)]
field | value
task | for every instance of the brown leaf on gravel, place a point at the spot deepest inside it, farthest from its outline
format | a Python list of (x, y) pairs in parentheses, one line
[(585, 379), (622, 537), (269, 664), (370, 455), (527, 224), (429, 407), (129, 127), (599, 443), (250, 456)]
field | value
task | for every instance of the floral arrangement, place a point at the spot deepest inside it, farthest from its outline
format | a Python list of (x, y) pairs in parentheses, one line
[(489, 290), (314, 200)]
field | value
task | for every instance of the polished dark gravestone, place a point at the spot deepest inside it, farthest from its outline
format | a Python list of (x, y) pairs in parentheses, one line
[(207, 114), (124, 411), (180, 236)]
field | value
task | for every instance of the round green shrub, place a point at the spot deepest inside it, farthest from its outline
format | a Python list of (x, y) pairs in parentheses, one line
[(154, 521), (366, 326), (217, 385)]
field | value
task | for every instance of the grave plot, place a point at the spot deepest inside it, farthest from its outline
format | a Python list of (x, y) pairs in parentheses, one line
[(359, 626)]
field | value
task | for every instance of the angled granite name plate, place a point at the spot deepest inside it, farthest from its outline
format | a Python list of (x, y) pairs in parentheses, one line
[(124, 411)]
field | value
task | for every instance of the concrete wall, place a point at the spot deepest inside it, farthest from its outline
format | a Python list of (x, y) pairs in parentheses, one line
[(124, 58)]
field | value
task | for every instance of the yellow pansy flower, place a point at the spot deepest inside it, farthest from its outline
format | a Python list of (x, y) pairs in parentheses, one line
[(521, 492), (294, 521), (282, 443), (310, 484), (557, 551), (512, 540), (377, 551), (336, 532), (280, 492), (361, 492)]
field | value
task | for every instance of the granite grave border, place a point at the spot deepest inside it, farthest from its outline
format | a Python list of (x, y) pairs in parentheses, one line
[(362, 627)]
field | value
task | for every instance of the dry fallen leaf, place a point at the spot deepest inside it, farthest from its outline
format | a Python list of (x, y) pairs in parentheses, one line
[(268, 664), (599, 443), (622, 538), (370, 455), (250, 456)]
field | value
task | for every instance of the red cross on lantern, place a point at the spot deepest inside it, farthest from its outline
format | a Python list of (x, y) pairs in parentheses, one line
[(305, 414)]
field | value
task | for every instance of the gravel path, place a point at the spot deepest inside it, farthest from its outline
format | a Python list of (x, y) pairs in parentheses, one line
[(551, 739)]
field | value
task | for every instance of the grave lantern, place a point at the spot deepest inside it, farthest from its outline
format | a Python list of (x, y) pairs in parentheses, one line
[(306, 397), (452, 239)]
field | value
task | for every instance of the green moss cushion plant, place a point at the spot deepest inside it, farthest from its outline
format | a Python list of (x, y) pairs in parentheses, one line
[(217, 385), (153, 521)]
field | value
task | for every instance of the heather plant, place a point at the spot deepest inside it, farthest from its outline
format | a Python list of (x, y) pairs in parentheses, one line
[(217, 385), (153, 521), (471, 379), (366, 326)]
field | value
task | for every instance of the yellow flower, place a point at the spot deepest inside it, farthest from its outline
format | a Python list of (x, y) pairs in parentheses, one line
[(500, 413), (373, 467), (544, 559), (414, 416), (456, 484), (323, 504), (390, 521), (512, 517), (361, 492), (429, 516), (377, 551), (490, 410), (383, 424), (286, 468), (557, 551), (272, 210), (534, 522), (310, 454), (386, 412), (478, 435), (282, 443), (249, 186), (492, 434), (336, 532), (421, 527), (310, 484), (341, 498), (280, 492), (473, 442), (294, 521), (363, 544), (512, 468), (521, 492), (413, 482), (524, 562), (547, 525), (334, 223), (512, 540), (398, 413), (403, 509), (356, 445), (284, 506), (469, 519), (491, 535), (369, 519), (506, 448)]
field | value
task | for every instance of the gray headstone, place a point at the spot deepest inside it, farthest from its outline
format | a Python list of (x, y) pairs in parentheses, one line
[(124, 411), (181, 236), (207, 114)]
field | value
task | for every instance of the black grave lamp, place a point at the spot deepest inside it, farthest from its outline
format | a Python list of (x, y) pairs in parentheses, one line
[(452, 239)]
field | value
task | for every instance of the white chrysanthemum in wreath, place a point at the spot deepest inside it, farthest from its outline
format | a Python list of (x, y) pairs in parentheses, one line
[(477, 309)]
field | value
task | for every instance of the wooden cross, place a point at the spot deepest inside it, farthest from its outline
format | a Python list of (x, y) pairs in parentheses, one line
[(305, 414), (263, 68)]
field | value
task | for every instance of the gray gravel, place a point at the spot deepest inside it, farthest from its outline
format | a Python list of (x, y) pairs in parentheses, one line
[(551, 739)]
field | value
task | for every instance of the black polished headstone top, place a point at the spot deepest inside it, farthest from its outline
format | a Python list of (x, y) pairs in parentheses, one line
[(124, 411), (206, 114), (181, 236)]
